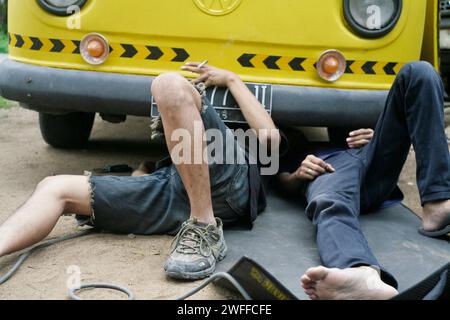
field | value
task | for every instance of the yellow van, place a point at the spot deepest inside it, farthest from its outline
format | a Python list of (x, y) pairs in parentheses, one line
[(311, 63)]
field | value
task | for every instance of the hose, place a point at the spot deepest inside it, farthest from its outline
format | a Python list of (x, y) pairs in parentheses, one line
[(24, 256), (72, 292), (128, 292), (220, 275)]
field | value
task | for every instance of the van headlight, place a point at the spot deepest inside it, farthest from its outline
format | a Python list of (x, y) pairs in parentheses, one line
[(61, 7), (372, 18)]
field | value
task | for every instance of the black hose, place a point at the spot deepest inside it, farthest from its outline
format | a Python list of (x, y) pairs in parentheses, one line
[(72, 292), (220, 275), (128, 292), (24, 256)]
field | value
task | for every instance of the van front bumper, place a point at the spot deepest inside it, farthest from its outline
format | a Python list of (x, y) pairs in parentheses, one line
[(62, 90)]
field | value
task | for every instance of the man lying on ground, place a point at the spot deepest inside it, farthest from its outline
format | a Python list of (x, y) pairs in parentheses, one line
[(340, 185), (188, 198)]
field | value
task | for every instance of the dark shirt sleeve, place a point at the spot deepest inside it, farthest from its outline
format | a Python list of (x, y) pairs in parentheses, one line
[(292, 152)]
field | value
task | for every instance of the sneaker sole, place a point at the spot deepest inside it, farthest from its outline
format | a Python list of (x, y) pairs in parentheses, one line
[(198, 275)]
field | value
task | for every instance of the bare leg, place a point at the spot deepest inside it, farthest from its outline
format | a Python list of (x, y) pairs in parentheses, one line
[(144, 169), (34, 221), (363, 283), (179, 104), (141, 171)]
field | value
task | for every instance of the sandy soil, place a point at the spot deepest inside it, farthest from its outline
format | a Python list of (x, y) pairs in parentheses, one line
[(135, 262)]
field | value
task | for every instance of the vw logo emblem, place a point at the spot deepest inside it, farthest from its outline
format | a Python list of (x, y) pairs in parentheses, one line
[(217, 7)]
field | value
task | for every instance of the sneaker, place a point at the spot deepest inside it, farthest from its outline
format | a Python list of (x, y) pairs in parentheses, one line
[(197, 249)]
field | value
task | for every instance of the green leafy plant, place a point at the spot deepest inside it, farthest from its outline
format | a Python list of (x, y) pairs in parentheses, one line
[(3, 103), (3, 26), (3, 43)]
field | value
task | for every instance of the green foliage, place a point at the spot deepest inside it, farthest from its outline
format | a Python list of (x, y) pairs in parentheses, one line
[(3, 26), (3, 14), (3, 103), (3, 43)]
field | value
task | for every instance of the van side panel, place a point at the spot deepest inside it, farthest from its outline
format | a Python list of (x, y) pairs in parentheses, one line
[(430, 49)]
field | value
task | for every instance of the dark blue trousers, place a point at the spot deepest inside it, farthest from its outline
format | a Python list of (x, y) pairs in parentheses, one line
[(365, 178)]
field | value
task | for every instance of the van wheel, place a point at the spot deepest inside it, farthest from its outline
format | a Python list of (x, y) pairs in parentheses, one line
[(68, 131)]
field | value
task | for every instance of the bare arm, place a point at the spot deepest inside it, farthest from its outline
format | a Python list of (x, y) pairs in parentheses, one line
[(253, 111), (255, 114), (311, 168)]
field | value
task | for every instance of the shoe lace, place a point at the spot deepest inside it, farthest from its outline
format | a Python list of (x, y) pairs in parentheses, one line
[(193, 240)]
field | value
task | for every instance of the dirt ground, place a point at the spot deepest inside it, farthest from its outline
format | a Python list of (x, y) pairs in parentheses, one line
[(135, 262)]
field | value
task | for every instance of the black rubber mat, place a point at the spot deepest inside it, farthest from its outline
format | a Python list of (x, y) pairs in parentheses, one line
[(283, 242)]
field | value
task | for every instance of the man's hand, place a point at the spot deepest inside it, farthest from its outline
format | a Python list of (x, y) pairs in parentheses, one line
[(359, 138), (210, 75), (253, 111), (311, 168)]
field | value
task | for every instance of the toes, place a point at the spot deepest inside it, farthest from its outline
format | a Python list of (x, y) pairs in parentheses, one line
[(306, 282), (314, 297), (311, 285), (317, 274), (310, 292), (305, 279)]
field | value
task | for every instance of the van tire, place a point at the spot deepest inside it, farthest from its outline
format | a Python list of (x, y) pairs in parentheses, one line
[(67, 131)]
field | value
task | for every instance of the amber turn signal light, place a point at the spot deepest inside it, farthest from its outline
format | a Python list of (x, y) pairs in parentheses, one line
[(331, 65), (94, 48)]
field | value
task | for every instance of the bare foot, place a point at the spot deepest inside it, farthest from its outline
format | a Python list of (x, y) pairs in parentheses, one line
[(362, 283), (435, 214)]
